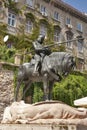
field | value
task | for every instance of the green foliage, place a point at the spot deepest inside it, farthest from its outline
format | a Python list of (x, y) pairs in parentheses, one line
[(7, 54), (31, 16), (38, 93), (35, 32), (11, 5), (58, 48), (3, 29), (22, 42), (15, 77), (71, 88)]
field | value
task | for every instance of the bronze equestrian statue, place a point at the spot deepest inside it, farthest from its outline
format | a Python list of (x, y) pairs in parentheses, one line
[(44, 67), (40, 53)]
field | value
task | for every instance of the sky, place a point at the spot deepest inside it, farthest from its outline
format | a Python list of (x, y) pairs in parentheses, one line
[(81, 5)]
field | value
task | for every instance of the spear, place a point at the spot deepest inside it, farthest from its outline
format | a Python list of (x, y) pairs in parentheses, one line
[(60, 43), (57, 43)]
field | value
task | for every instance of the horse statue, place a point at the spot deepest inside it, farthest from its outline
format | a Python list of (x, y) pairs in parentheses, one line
[(53, 68)]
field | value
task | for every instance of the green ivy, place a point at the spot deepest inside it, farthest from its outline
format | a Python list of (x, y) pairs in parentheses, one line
[(7, 54), (38, 93), (31, 16), (3, 29), (11, 5)]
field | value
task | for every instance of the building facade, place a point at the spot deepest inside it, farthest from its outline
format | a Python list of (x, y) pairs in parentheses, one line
[(55, 19)]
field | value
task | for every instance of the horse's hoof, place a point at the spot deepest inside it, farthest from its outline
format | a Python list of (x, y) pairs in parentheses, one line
[(35, 74)]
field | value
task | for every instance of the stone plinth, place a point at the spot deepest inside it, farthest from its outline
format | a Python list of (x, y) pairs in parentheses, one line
[(41, 127)]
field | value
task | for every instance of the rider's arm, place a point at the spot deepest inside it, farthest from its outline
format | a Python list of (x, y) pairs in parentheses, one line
[(38, 47)]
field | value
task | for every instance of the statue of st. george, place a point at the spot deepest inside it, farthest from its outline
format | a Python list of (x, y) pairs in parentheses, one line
[(45, 67), (40, 53)]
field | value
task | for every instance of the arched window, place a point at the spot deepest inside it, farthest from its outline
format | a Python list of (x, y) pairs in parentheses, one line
[(56, 34), (29, 26), (43, 29), (69, 37), (80, 44)]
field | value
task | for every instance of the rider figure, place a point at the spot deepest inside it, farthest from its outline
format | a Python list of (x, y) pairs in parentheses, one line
[(40, 52)]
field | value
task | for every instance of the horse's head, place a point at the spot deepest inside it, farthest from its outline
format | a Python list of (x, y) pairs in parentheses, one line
[(23, 76), (69, 63), (24, 71)]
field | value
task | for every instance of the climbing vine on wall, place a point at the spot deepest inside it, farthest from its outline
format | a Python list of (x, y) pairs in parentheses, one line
[(12, 6)]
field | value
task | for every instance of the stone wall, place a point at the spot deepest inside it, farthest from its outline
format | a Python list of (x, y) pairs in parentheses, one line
[(6, 89)]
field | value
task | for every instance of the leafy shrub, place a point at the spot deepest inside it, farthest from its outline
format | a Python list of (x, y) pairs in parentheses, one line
[(71, 88), (7, 54)]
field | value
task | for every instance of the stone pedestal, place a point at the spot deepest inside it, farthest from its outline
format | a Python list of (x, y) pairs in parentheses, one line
[(41, 127)]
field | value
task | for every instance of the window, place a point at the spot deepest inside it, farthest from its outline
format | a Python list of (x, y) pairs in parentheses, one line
[(42, 9), (29, 3), (56, 35), (56, 15), (68, 21), (79, 27), (29, 26), (80, 45), (11, 19), (43, 29), (69, 36)]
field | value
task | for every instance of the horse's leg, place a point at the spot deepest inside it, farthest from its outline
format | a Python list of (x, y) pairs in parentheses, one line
[(51, 83), (45, 87), (26, 87), (17, 89)]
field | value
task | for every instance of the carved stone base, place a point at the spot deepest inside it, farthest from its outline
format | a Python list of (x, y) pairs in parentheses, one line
[(41, 127)]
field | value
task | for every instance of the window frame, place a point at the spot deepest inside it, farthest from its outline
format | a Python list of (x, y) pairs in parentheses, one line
[(29, 26), (56, 16), (11, 20), (79, 26), (42, 9), (69, 36), (30, 3), (68, 21), (56, 35), (80, 46), (43, 29)]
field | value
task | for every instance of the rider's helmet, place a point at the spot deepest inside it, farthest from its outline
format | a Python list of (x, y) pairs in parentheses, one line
[(41, 38)]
